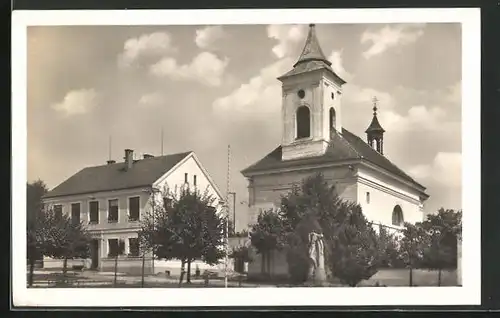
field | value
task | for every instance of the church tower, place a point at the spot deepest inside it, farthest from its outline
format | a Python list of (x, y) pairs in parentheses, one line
[(311, 105), (375, 132)]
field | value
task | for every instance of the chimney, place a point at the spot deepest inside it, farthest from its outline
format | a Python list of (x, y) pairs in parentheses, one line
[(147, 156), (110, 162), (129, 158)]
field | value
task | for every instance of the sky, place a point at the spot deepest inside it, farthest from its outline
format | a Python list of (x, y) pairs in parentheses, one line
[(210, 86)]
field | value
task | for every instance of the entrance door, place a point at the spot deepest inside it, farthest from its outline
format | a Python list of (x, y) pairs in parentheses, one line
[(94, 250)]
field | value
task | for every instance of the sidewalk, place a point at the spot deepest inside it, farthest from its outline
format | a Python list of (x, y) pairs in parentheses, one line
[(106, 279)]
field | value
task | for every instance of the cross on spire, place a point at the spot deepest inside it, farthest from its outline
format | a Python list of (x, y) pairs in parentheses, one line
[(375, 100)]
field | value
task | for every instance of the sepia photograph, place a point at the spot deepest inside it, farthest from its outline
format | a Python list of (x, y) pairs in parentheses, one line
[(321, 153)]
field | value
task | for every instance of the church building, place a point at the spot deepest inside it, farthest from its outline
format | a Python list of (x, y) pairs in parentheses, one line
[(315, 140)]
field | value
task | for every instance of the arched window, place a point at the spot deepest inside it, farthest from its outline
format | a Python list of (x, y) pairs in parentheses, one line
[(333, 118), (303, 122), (397, 216)]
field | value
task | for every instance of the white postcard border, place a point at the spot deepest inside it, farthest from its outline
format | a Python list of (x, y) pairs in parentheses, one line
[(469, 293)]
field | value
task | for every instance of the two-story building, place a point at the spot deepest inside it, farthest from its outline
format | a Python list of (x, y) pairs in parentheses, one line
[(111, 199)]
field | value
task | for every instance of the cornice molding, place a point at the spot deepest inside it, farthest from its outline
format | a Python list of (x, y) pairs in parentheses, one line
[(387, 190)]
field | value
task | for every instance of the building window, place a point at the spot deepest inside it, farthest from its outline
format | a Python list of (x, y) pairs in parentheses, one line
[(397, 216), (133, 244), (94, 212), (133, 208), (75, 213), (333, 118), (194, 180), (115, 247), (303, 122), (185, 178), (113, 211), (368, 197), (58, 210)]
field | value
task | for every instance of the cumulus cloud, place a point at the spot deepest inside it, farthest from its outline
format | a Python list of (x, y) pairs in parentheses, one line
[(153, 44), (287, 36), (390, 36), (261, 95), (206, 68), (208, 36), (445, 170), (364, 95), (152, 99), (338, 66), (417, 118), (77, 102)]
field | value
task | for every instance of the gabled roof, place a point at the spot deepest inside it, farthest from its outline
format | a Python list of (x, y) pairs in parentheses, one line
[(342, 148), (114, 176)]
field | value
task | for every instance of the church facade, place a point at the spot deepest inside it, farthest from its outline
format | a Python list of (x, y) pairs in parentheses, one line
[(314, 140)]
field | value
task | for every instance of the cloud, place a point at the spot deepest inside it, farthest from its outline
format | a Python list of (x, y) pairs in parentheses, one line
[(390, 36), (77, 102), (364, 95), (153, 44), (152, 99), (417, 118), (287, 36), (207, 36), (445, 170), (206, 68), (260, 96), (337, 65)]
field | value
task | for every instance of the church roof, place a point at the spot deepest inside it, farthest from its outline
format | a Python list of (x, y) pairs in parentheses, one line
[(343, 147), (312, 58), (374, 126), (116, 177)]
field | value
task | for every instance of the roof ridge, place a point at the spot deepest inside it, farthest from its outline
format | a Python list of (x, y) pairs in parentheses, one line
[(385, 158), (349, 144)]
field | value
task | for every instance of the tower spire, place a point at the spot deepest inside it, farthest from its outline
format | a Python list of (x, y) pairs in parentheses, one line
[(375, 132), (312, 50)]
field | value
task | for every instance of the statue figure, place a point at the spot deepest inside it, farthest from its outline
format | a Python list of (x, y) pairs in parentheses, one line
[(317, 256)]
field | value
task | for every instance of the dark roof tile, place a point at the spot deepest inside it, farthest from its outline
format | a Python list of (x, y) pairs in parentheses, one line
[(343, 147), (115, 176)]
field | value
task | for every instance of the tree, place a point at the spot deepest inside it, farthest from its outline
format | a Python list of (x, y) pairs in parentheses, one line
[(267, 235), (315, 206), (389, 249), (443, 230), (34, 234), (64, 239), (355, 248), (184, 226), (415, 240)]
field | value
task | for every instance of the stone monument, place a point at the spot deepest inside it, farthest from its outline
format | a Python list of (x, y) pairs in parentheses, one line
[(317, 272)]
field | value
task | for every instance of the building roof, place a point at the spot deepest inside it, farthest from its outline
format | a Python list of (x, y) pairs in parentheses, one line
[(115, 176), (342, 147), (312, 58), (374, 126)]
